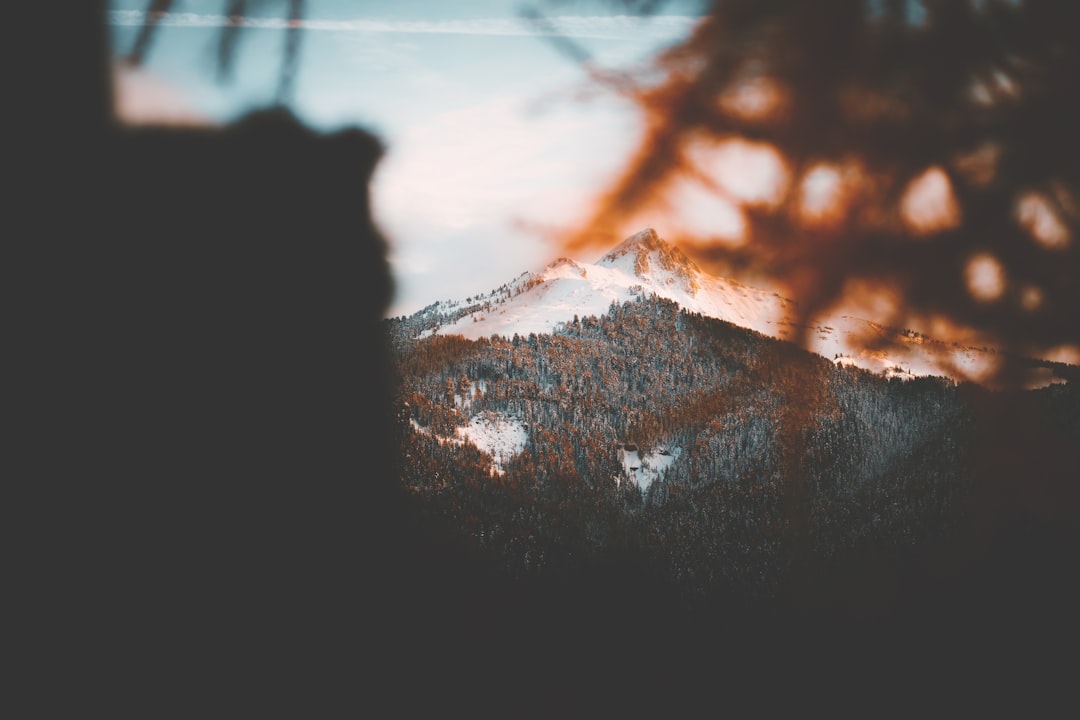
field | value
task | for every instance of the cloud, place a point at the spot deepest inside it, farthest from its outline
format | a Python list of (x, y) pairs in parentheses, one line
[(495, 158), (459, 194), (616, 27)]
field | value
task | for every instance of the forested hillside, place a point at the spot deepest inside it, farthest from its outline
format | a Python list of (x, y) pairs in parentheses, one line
[(776, 466)]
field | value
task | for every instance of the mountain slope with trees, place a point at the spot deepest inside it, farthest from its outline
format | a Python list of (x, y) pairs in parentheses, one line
[(785, 467)]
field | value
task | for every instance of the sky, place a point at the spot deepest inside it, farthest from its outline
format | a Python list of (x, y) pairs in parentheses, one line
[(489, 142)]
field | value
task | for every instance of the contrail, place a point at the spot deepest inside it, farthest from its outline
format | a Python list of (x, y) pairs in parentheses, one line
[(608, 27)]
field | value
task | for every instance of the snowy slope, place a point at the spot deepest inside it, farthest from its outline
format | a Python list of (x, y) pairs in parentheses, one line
[(644, 264)]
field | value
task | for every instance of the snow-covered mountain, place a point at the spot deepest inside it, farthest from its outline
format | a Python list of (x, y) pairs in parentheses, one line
[(644, 264)]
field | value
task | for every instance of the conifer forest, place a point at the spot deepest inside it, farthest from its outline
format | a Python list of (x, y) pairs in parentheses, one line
[(772, 468)]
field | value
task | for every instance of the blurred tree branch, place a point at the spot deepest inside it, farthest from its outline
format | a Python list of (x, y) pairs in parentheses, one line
[(235, 11), (947, 128)]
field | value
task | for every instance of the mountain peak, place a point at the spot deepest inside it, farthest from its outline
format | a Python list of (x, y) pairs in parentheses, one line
[(643, 240), (645, 264), (645, 254)]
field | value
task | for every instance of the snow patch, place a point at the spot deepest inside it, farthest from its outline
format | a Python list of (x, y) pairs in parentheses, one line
[(643, 470), (499, 435)]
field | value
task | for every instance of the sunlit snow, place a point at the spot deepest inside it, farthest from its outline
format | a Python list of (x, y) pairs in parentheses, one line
[(644, 264)]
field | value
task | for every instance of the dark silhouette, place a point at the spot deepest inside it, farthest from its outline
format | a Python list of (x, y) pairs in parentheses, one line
[(206, 313)]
